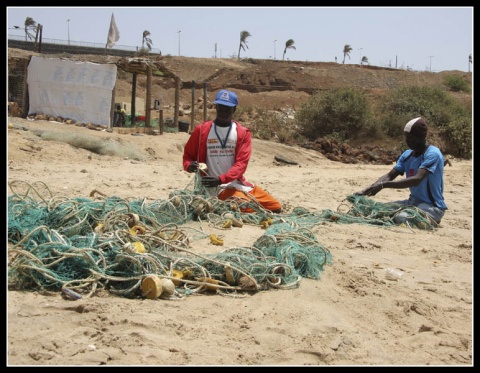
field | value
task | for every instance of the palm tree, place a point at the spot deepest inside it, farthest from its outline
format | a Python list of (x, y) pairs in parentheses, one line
[(470, 61), (243, 41), (346, 52), (288, 44), (146, 40), (30, 24), (364, 60)]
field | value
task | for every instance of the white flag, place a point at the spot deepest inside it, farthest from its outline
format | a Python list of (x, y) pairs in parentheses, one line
[(113, 33)]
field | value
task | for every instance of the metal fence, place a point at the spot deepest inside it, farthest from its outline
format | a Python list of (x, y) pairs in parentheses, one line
[(73, 43)]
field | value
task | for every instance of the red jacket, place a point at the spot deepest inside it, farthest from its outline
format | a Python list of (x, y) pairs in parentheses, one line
[(196, 150)]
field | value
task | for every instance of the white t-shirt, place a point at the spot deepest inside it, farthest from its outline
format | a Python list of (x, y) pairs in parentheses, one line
[(221, 145)]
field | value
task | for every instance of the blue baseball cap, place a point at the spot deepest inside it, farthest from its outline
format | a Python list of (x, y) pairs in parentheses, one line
[(227, 98)]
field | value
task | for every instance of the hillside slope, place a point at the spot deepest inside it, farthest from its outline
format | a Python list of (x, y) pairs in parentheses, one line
[(262, 84), (268, 83)]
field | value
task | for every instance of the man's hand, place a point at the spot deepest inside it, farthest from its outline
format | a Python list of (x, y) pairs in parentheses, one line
[(211, 181), (371, 190), (193, 166)]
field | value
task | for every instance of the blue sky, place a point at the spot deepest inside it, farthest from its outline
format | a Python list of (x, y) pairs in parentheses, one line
[(420, 38)]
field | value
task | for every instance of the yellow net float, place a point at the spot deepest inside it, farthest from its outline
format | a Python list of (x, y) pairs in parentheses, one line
[(266, 223), (178, 275), (99, 228), (209, 283), (137, 229), (216, 240), (135, 247), (235, 222), (153, 287), (229, 274), (227, 223), (139, 247)]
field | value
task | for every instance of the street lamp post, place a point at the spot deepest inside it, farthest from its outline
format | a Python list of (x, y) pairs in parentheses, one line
[(430, 62), (275, 49), (68, 30), (179, 31), (360, 49)]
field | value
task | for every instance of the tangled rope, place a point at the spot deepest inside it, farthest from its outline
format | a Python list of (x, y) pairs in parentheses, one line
[(81, 245)]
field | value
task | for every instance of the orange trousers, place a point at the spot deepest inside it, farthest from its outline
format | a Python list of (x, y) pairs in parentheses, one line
[(261, 196)]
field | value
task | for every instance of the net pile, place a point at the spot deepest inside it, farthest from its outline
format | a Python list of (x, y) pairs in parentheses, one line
[(81, 245)]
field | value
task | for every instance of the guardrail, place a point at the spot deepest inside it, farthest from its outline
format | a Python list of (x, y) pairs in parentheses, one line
[(54, 46)]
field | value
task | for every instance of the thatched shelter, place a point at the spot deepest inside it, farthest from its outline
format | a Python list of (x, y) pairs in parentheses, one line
[(148, 67)]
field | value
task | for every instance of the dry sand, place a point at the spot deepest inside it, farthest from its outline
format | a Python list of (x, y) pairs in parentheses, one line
[(352, 316)]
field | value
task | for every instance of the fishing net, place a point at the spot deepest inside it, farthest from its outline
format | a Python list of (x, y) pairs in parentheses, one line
[(82, 245)]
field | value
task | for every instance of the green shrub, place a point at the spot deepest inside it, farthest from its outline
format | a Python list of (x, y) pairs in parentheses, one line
[(345, 114), (456, 83), (342, 114), (451, 118), (458, 133)]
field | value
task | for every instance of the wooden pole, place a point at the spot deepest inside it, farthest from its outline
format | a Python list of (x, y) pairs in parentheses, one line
[(204, 101), (177, 102), (148, 99), (160, 121), (192, 116), (39, 29), (112, 108), (26, 97), (134, 94)]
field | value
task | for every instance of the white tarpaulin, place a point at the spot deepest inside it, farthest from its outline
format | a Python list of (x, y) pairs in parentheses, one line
[(71, 89)]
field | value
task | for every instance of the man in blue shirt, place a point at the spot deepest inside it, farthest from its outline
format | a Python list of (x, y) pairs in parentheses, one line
[(423, 165)]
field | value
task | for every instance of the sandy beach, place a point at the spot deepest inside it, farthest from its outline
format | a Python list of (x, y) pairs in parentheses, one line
[(355, 314)]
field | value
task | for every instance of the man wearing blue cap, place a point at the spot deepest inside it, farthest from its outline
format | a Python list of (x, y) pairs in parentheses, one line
[(225, 146)]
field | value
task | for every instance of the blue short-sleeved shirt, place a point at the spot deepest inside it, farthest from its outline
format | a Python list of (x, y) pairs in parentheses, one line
[(432, 161)]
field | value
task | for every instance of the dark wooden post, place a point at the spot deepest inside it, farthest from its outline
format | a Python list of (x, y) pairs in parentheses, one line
[(192, 116), (134, 94), (160, 121), (25, 96), (204, 101), (148, 99), (39, 31), (112, 107), (177, 102)]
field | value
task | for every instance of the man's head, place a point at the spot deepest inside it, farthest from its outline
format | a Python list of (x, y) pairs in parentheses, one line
[(415, 133), (226, 103)]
